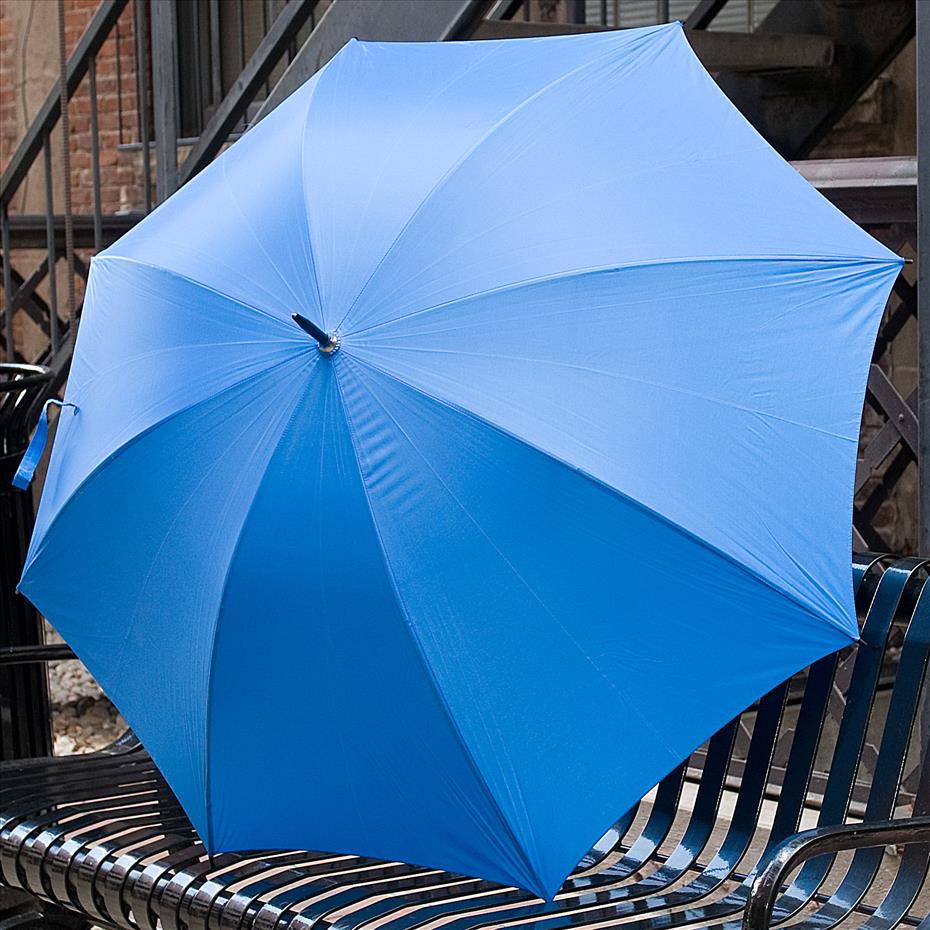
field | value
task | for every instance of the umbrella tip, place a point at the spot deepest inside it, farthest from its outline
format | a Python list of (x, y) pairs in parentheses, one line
[(328, 343)]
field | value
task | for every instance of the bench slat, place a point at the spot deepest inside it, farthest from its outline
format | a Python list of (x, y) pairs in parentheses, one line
[(104, 836)]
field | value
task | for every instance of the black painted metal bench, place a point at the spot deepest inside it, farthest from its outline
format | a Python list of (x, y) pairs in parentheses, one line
[(843, 746)]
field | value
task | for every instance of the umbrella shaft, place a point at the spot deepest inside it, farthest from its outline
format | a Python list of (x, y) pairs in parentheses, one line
[(324, 339)]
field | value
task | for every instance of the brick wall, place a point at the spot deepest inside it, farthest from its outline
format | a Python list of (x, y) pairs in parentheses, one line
[(116, 117), (881, 123), (28, 70)]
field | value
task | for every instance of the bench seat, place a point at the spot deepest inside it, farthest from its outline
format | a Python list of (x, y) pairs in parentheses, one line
[(102, 838)]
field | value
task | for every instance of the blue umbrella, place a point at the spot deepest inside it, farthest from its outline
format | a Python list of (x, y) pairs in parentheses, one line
[(461, 449)]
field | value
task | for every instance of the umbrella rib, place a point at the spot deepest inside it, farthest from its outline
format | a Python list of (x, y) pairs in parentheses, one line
[(233, 196), (401, 142), (285, 325), (788, 595), (625, 266), (303, 193), (513, 569), (661, 30), (81, 391), (285, 431), (517, 847), (203, 479), (130, 442), (661, 385)]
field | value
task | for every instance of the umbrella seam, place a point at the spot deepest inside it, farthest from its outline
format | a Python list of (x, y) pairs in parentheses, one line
[(624, 266), (303, 189), (177, 274), (651, 36), (132, 618), (400, 142), (81, 391), (709, 398), (356, 447), (131, 442), (624, 698), (222, 598), (233, 196), (667, 520), (539, 207)]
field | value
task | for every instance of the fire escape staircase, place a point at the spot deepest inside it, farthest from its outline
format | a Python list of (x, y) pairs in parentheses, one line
[(793, 77)]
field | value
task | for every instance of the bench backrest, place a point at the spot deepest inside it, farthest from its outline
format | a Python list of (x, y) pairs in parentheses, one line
[(846, 739)]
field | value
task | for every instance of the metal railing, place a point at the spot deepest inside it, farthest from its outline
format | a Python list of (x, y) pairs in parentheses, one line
[(38, 298), (21, 292), (24, 700), (737, 15), (142, 132), (58, 244), (177, 68)]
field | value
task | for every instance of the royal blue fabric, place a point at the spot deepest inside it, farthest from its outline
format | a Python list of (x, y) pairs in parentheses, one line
[(575, 488)]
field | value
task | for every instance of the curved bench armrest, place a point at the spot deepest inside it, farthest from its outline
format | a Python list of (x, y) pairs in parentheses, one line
[(797, 849)]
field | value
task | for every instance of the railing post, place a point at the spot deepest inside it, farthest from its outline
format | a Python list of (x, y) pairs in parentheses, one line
[(923, 269), (7, 283), (25, 726), (165, 94)]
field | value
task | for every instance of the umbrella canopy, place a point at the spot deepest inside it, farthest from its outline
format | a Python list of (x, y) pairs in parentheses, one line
[(571, 486)]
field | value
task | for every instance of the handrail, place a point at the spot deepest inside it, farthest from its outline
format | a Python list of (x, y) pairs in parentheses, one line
[(25, 655), (797, 849), (92, 39), (269, 52), (22, 231), (704, 14)]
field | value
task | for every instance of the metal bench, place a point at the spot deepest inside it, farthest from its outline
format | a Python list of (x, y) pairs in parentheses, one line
[(24, 707), (843, 745)]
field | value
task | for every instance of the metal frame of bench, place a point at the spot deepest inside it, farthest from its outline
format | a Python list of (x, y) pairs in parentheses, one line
[(103, 836), (24, 701)]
